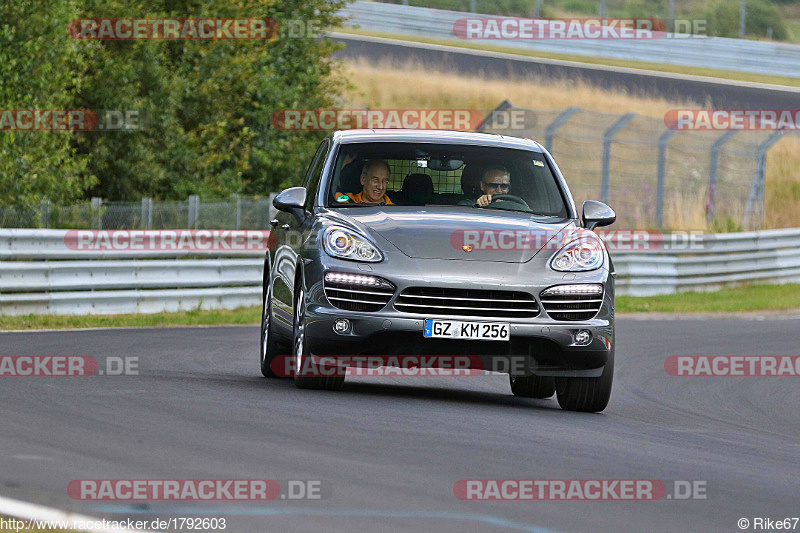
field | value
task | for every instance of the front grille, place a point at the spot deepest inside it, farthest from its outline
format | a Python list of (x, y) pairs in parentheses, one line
[(357, 296), (466, 302), (571, 306)]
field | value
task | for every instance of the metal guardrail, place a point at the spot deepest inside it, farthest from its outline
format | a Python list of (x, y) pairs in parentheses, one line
[(40, 274), (45, 276), (710, 262), (759, 57), (49, 244), (145, 282)]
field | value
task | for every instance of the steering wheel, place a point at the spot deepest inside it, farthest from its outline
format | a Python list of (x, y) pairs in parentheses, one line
[(511, 198)]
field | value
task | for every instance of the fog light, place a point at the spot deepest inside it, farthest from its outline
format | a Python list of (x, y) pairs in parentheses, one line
[(341, 326), (583, 337)]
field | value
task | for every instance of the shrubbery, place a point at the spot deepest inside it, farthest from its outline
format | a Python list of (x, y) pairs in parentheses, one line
[(208, 103), (723, 19)]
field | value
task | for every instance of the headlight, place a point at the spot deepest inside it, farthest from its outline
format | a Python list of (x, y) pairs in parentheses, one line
[(580, 255), (345, 244)]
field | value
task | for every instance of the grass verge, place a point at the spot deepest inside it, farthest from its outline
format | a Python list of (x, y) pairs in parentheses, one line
[(760, 297), (216, 317), (730, 300)]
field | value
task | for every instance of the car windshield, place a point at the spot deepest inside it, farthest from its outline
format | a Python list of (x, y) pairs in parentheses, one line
[(408, 174)]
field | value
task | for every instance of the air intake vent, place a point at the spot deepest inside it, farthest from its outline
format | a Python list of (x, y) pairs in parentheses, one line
[(572, 302), (466, 302), (357, 292)]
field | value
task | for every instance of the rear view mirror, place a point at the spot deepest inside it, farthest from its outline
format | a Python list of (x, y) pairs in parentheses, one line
[(597, 214), (445, 165), (292, 200)]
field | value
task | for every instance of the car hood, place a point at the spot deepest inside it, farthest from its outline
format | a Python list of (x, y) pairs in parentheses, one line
[(458, 233)]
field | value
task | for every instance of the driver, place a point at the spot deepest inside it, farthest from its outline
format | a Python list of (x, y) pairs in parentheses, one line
[(374, 180), (496, 179)]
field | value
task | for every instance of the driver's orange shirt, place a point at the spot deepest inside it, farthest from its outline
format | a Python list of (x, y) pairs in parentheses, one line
[(359, 199)]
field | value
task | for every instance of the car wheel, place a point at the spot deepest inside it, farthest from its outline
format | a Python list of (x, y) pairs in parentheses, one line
[(269, 348), (532, 386), (300, 350), (588, 395)]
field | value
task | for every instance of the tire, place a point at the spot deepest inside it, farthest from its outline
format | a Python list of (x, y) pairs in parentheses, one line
[(532, 386), (269, 348), (300, 349), (587, 395)]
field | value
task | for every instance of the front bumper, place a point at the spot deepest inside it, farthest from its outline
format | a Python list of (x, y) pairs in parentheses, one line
[(539, 345)]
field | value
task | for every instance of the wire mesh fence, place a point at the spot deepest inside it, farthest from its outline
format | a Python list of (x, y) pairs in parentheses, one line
[(652, 176), (236, 212)]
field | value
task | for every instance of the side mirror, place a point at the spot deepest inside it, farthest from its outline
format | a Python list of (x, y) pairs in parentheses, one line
[(596, 214), (292, 200)]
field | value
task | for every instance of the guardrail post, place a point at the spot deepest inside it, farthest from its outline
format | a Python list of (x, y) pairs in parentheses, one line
[(560, 120), (713, 164), (757, 187), (608, 137), (45, 207), (237, 199), (194, 211), (147, 213), (97, 211), (663, 140)]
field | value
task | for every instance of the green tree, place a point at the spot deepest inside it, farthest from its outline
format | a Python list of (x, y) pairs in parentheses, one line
[(208, 103), (40, 68)]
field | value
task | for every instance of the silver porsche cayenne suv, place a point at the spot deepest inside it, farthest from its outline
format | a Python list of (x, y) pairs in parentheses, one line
[(441, 243)]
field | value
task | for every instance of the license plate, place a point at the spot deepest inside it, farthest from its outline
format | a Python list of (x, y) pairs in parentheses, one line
[(456, 329)]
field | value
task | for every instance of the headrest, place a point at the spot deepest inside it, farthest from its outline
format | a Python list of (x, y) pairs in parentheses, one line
[(350, 178), (471, 179), (418, 189)]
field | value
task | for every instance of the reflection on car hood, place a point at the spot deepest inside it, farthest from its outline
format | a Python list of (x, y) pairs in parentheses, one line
[(459, 233)]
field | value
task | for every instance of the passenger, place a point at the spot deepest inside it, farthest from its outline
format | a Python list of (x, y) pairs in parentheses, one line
[(374, 180)]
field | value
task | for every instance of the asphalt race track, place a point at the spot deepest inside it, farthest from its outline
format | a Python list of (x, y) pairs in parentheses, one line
[(392, 448), (706, 92)]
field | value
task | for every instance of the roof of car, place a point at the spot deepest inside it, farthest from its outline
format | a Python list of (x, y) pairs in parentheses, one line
[(435, 136)]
